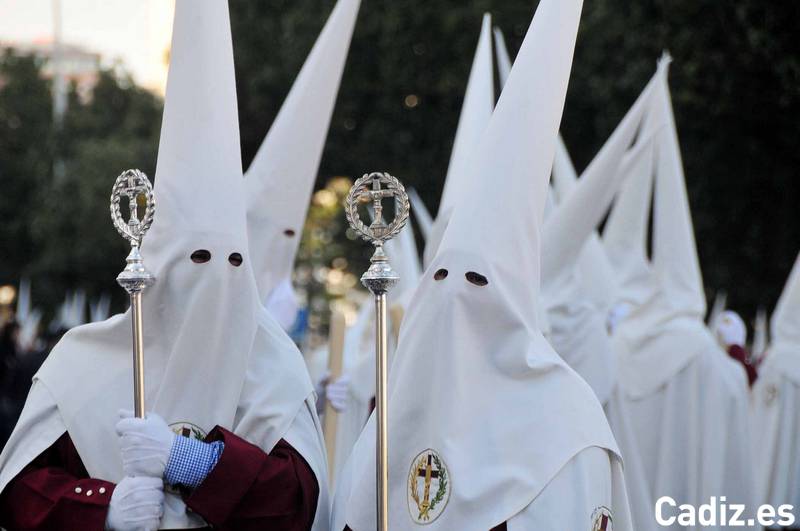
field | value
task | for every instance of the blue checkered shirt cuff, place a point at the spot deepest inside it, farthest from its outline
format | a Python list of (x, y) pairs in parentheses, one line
[(191, 461)]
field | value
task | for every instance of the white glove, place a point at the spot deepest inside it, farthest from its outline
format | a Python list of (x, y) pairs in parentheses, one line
[(136, 504), (145, 444), (337, 392), (730, 329)]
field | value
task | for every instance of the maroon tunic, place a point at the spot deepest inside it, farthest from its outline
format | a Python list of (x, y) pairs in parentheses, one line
[(247, 489), (740, 354)]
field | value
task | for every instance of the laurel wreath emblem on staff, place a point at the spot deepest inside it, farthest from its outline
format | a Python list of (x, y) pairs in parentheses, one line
[(132, 184), (387, 186)]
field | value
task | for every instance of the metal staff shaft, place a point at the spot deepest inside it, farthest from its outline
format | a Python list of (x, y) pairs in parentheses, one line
[(135, 278), (382, 407), (138, 355), (379, 279)]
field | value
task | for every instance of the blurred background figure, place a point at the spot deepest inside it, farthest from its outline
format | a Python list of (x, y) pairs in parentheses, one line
[(731, 333)]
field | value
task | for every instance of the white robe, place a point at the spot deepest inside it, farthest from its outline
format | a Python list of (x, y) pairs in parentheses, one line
[(693, 435), (591, 480), (775, 404), (641, 499)]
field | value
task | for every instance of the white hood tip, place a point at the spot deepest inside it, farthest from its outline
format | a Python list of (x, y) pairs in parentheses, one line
[(785, 323), (675, 259), (280, 180)]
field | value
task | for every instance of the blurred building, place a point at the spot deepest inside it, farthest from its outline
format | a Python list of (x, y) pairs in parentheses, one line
[(77, 65)]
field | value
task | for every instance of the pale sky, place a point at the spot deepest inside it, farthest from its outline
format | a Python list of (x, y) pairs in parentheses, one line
[(138, 32)]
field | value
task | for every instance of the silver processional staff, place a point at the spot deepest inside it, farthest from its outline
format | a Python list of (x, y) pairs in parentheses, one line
[(379, 279), (134, 186)]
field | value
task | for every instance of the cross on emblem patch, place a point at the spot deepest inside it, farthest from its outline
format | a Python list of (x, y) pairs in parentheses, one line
[(428, 487)]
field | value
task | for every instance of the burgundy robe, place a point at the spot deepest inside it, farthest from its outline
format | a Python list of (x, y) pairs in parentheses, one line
[(740, 354), (247, 489)]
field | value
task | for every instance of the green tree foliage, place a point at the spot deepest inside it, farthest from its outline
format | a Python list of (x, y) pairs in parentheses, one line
[(60, 232), (735, 81), (25, 157)]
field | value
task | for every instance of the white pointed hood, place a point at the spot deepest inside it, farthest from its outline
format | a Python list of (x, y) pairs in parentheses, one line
[(785, 324), (784, 349), (584, 204), (203, 322), (28, 318), (666, 330), (280, 180), (421, 213), (99, 309), (24, 305), (625, 235), (502, 55), (404, 257), (596, 274), (472, 333), (475, 114), (760, 335), (675, 260), (504, 69), (720, 305)]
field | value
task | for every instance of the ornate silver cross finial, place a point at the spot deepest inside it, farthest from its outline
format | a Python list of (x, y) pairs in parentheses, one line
[(131, 185), (376, 187)]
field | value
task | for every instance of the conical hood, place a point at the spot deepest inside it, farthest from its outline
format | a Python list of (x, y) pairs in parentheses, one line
[(404, 257), (675, 260), (504, 69), (472, 325), (595, 272), (99, 310), (515, 157), (475, 114), (199, 158), (24, 306), (720, 305), (760, 335), (626, 233), (29, 330), (280, 180), (564, 175), (786, 317), (584, 206), (421, 213), (503, 57)]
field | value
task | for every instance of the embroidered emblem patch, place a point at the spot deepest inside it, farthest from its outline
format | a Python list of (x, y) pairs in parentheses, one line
[(602, 519), (428, 487), (187, 429)]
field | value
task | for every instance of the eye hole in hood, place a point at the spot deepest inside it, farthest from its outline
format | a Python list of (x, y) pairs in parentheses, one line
[(235, 259), (441, 274), (476, 278), (289, 233), (200, 256)]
